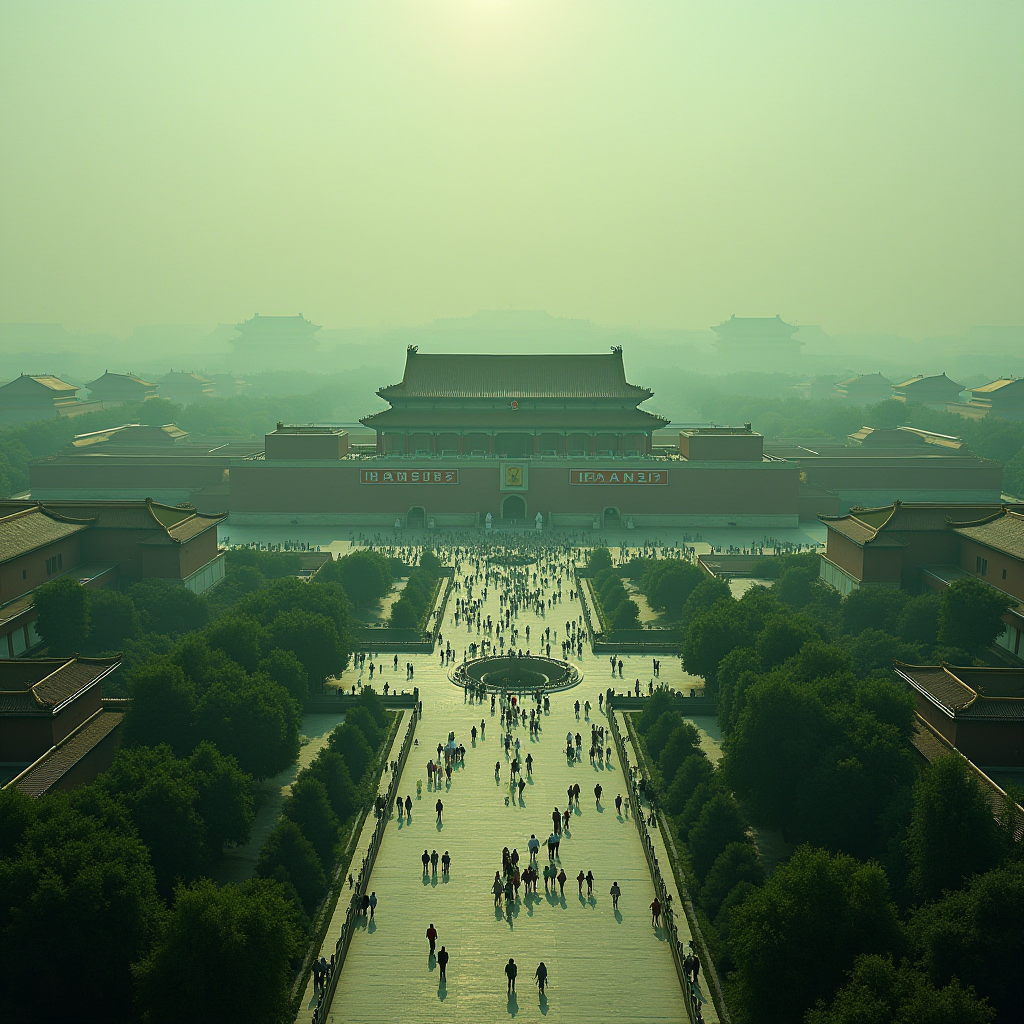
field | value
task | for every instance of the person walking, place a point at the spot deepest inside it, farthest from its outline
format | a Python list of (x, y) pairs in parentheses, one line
[(442, 963), (497, 888), (510, 972), (597, 797), (618, 804), (373, 904), (439, 807), (408, 807), (590, 883), (426, 862), (580, 879), (534, 847), (446, 863), (562, 879), (433, 861), (541, 975), (656, 912), (431, 937), (556, 820), (615, 893), (522, 786), (576, 793), (529, 764)]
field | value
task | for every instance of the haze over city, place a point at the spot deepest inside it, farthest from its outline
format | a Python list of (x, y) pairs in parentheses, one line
[(400, 400)]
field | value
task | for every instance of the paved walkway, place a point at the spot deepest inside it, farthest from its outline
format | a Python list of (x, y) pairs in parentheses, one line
[(602, 965)]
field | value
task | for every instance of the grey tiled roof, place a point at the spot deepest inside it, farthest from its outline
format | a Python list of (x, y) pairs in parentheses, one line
[(38, 685), (1003, 532), (34, 528), (54, 764)]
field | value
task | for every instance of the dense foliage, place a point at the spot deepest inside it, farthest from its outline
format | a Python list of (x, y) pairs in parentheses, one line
[(411, 609), (898, 873)]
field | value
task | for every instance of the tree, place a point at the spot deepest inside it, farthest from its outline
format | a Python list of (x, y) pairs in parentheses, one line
[(17, 813), (83, 874), (351, 744), (720, 824), (708, 638), (977, 935), (285, 669), (872, 608), (669, 583), (310, 809), (329, 767), (952, 832), (369, 698), (658, 731), (971, 614), (403, 615), (797, 586), (814, 909), (737, 863), (681, 744), (225, 798), (598, 560), (160, 795), (694, 770), (703, 597), (313, 639), (288, 856), (919, 621), (224, 954), (62, 615), (363, 721), (240, 637), (767, 775), (166, 607), (365, 575), (780, 638), (627, 615), (113, 620), (163, 707), (257, 724), (879, 990)]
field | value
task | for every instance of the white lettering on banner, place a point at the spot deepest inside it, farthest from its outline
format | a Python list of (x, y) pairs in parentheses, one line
[(618, 476), (409, 476)]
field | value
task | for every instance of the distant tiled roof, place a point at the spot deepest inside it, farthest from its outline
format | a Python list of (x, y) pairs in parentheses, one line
[(876, 526), (277, 326), (514, 376), (40, 777), (949, 687), (873, 379), (45, 380), (997, 385), (120, 380), (1003, 531), (759, 326), (920, 382), (34, 528), (39, 685)]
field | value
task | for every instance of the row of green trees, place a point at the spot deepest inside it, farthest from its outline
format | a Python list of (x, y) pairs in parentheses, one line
[(303, 847), (412, 607), (898, 872)]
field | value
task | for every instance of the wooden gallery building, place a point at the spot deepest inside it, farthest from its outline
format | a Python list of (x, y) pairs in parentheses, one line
[(514, 437)]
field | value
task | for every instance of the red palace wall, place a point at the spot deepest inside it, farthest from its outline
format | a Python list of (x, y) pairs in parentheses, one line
[(752, 491)]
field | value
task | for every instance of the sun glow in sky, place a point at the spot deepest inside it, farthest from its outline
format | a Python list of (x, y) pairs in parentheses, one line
[(661, 164)]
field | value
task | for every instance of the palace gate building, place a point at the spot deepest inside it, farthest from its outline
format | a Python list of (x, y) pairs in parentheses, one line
[(513, 437)]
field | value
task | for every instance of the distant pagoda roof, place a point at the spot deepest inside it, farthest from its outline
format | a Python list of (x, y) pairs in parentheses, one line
[(451, 375), (120, 379), (520, 420), (274, 327), (752, 328)]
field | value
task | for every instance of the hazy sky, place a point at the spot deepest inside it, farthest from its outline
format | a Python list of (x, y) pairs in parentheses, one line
[(855, 164)]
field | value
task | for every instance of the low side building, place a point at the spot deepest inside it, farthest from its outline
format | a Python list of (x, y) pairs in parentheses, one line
[(978, 711), (56, 731), (185, 388), (107, 544), (931, 546)]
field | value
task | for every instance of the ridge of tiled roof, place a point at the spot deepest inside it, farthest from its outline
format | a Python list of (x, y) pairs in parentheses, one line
[(41, 685), (1003, 531), (42, 774), (457, 375), (944, 686), (31, 528), (585, 420)]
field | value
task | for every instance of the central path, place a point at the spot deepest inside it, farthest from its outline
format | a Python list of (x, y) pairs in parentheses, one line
[(602, 965)]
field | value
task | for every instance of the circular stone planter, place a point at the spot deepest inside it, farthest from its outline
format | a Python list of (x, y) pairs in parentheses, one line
[(500, 673)]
